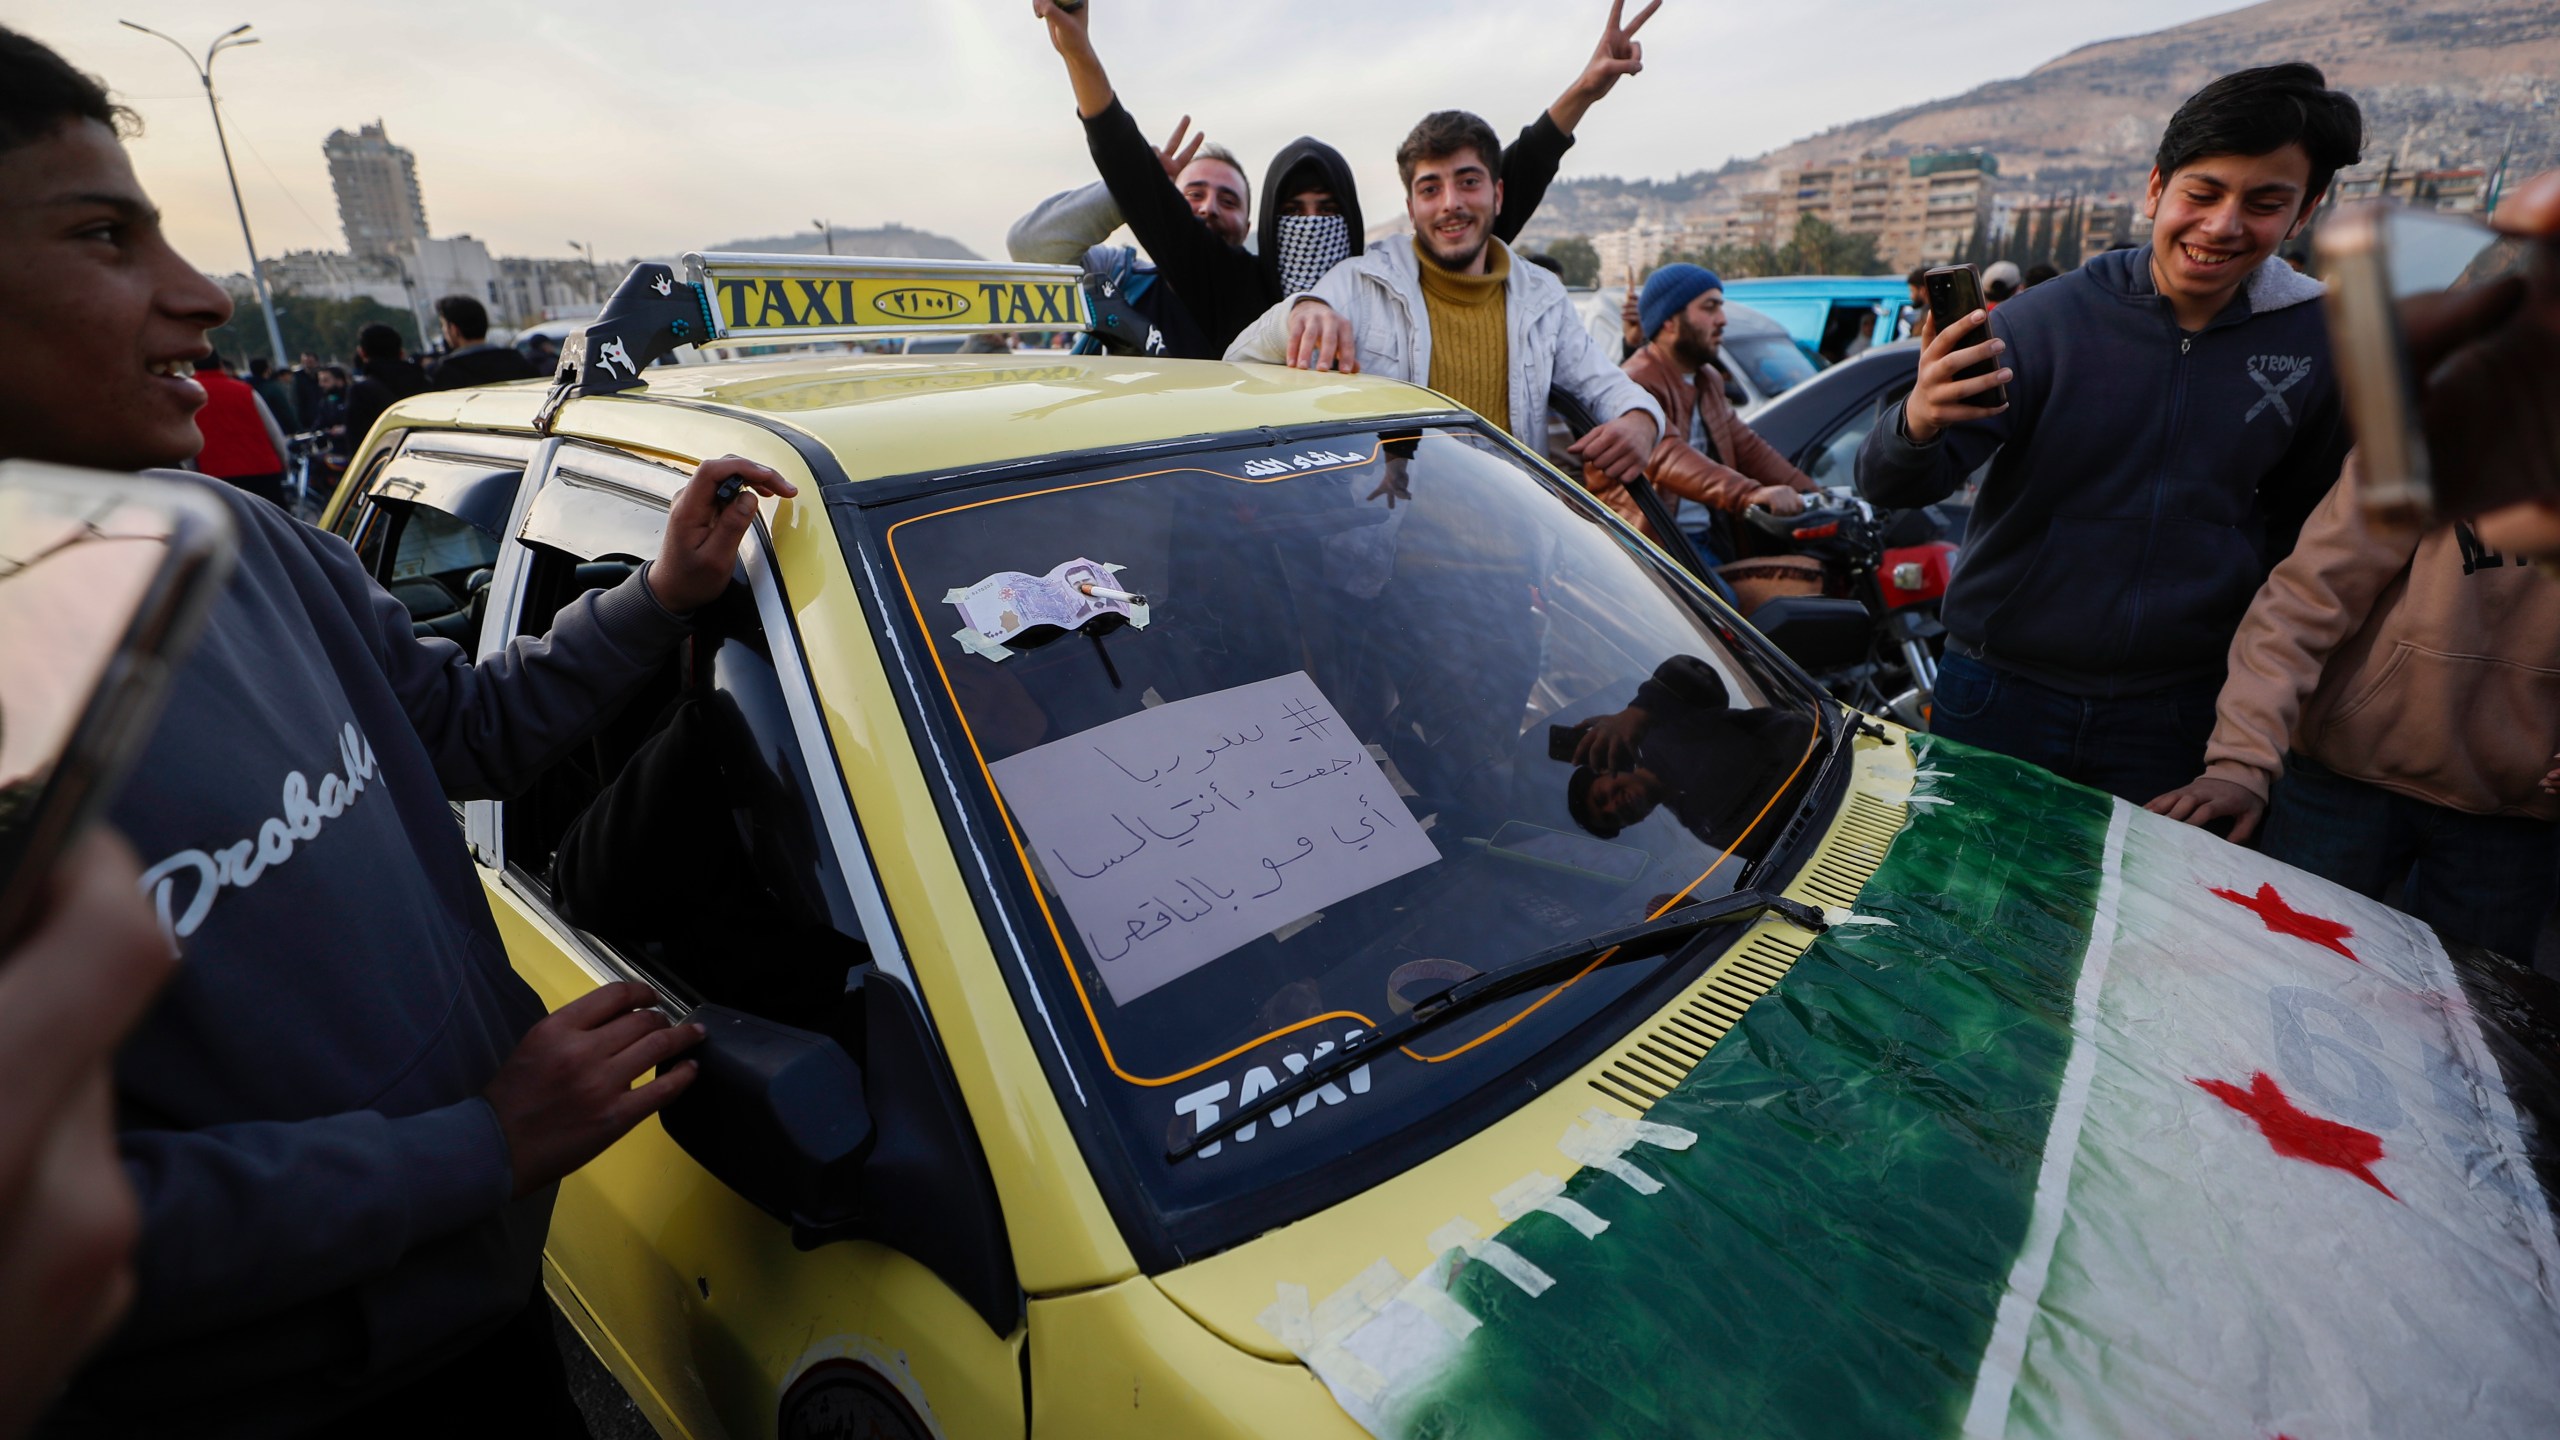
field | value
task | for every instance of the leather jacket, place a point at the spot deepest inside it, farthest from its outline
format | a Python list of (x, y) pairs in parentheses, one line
[(1741, 464)]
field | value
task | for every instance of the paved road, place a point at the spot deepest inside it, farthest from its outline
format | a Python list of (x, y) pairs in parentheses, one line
[(610, 1413)]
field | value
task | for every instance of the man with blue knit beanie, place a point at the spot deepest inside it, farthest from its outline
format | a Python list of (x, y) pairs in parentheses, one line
[(1705, 453)]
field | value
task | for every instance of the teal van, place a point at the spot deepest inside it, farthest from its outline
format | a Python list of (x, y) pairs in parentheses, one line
[(1822, 313)]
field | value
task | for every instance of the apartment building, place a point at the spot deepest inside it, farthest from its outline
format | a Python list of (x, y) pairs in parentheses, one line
[(379, 204), (1920, 208)]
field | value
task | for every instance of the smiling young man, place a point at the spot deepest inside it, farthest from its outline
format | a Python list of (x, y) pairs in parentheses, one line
[(1188, 206), (2172, 418), (1448, 309), (345, 1117)]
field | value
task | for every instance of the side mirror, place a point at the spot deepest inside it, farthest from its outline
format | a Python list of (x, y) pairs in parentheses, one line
[(1816, 631), (777, 1114)]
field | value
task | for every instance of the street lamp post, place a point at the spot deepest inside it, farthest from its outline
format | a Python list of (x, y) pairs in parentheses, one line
[(204, 72), (828, 229)]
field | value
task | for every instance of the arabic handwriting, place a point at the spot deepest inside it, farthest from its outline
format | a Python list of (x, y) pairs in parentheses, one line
[(1318, 773), (1146, 779), (1305, 847), (1096, 873)]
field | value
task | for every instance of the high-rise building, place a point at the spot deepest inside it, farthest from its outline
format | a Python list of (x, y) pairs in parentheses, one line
[(377, 183)]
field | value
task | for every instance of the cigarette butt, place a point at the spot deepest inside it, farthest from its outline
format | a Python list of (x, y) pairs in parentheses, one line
[(1105, 592)]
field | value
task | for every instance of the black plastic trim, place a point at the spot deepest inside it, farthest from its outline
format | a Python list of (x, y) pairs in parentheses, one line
[(925, 1190)]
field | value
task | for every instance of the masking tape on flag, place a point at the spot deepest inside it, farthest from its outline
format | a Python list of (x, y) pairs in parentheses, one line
[(1424, 1294), (1667, 1137), (1601, 1140), (1315, 1334), (1542, 1191), (1836, 916), (1288, 1320), (1462, 1234)]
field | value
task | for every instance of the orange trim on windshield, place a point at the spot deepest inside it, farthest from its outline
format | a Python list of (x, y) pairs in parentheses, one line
[(1013, 833)]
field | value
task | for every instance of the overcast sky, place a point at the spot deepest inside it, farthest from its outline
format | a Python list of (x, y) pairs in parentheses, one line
[(653, 127)]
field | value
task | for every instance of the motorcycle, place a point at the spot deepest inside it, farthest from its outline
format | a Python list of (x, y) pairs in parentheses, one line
[(1860, 609), (1895, 564)]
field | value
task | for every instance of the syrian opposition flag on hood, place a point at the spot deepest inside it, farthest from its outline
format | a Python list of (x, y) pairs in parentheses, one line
[(2115, 1129)]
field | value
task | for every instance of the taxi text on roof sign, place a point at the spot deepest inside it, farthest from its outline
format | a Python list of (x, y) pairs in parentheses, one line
[(756, 298)]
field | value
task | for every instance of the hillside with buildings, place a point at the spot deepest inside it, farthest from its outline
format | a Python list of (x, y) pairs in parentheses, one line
[(2451, 88)]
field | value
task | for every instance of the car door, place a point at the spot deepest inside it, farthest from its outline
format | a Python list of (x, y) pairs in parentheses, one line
[(699, 841), (1831, 456), (427, 525)]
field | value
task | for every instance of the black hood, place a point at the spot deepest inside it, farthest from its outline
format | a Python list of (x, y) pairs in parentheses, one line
[(1325, 161)]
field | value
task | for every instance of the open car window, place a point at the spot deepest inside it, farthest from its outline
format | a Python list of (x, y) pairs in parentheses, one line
[(1276, 741), (684, 832), (429, 526)]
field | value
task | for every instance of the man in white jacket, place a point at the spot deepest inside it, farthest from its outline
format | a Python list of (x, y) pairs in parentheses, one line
[(1450, 310)]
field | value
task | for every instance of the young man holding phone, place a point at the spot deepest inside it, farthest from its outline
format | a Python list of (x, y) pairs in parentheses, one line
[(2172, 418), (345, 1117)]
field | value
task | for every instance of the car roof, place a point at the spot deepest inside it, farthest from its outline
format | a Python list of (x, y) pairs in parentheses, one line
[(1843, 287), (1741, 319), (885, 415)]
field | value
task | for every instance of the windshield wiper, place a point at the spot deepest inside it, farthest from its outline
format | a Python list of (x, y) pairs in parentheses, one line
[(1611, 947)]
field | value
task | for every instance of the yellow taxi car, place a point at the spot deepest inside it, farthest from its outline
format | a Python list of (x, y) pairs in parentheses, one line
[(1235, 902)]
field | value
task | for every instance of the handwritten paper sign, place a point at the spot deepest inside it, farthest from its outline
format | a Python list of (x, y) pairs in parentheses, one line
[(1180, 833)]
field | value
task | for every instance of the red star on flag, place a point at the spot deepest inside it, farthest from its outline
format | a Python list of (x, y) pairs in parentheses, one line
[(2283, 919), (2298, 1134)]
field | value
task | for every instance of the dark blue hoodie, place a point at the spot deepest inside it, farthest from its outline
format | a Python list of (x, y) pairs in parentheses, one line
[(328, 1206), (2143, 481)]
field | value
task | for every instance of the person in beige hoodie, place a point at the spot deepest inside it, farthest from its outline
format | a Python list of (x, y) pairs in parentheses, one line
[(2398, 698)]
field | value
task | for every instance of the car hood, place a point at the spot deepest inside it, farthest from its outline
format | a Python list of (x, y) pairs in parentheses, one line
[(2077, 1121)]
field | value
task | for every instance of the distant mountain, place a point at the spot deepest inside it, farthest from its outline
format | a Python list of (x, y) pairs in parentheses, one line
[(895, 242), (2442, 82)]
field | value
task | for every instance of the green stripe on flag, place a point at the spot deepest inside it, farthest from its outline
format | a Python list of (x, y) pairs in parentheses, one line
[(1828, 1259)]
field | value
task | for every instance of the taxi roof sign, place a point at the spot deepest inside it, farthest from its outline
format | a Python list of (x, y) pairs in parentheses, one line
[(726, 298), (759, 299)]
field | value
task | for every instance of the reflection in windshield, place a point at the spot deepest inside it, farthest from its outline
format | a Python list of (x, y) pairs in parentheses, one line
[(1318, 774), (1680, 742)]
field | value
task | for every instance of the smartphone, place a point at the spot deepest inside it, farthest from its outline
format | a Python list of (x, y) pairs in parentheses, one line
[(1562, 741), (2375, 254), (105, 581), (1955, 292)]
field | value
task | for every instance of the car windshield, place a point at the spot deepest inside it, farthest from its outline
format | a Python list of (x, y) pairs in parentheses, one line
[(1771, 359), (1269, 742)]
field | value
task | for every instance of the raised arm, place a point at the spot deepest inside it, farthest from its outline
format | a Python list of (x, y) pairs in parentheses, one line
[(1920, 451), (1529, 165), (492, 726), (1060, 229)]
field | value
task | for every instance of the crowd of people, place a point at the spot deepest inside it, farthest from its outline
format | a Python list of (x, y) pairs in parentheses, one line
[(260, 423), (334, 1160)]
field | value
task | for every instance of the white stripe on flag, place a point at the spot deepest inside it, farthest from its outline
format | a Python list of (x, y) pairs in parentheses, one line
[(1987, 1417)]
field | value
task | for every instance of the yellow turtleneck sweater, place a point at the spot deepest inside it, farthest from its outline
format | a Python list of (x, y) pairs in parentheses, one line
[(1470, 333)]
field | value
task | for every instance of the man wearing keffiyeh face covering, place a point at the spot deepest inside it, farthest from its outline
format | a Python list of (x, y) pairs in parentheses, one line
[(1190, 223), (1311, 214)]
